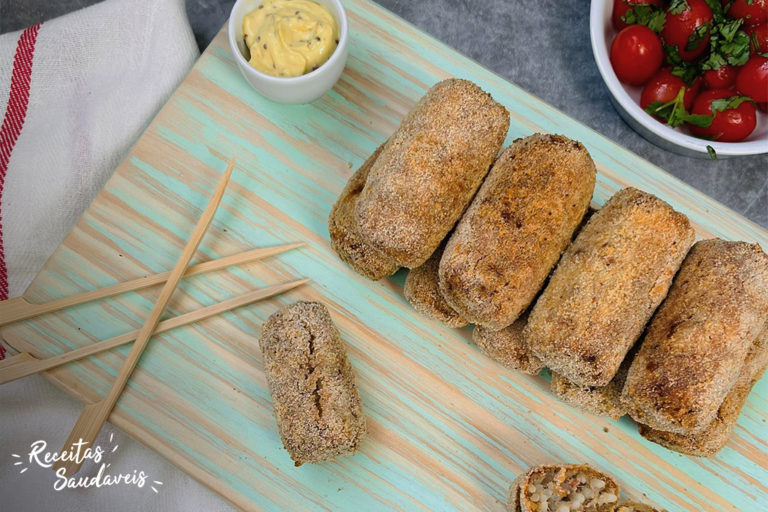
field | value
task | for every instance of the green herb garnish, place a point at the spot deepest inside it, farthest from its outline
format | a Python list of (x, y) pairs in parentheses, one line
[(678, 6), (729, 29), (674, 113), (697, 37), (711, 152), (688, 71), (728, 45), (763, 52), (729, 103), (648, 15), (718, 10)]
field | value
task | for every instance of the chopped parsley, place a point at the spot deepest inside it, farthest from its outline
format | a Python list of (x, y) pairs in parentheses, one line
[(718, 10), (688, 71), (649, 15), (759, 50), (728, 103), (698, 36), (678, 6), (728, 45), (674, 113), (725, 43)]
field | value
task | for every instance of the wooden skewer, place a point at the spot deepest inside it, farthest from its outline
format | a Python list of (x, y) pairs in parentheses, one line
[(18, 308), (23, 364), (94, 415)]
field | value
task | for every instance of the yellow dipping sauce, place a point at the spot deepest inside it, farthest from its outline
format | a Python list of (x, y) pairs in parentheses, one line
[(289, 37)]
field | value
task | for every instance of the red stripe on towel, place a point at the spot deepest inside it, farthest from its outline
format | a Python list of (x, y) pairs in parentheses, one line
[(13, 121)]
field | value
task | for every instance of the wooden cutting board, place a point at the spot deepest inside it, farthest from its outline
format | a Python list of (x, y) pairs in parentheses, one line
[(449, 428)]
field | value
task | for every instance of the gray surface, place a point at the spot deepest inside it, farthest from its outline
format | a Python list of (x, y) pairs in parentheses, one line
[(541, 45)]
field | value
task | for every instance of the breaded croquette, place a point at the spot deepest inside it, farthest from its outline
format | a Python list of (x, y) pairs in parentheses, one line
[(429, 169), (317, 406), (518, 224)]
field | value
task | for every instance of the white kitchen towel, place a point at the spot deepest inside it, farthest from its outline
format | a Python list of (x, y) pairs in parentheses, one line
[(78, 91)]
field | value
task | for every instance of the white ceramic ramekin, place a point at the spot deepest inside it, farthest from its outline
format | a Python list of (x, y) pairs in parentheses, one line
[(300, 89), (626, 99)]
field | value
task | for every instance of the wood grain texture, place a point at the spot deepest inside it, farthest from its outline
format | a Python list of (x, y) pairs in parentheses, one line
[(96, 414), (449, 428), (17, 308), (23, 364)]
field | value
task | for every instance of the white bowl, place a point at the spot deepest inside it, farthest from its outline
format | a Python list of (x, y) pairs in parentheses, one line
[(626, 99), (300, 89)]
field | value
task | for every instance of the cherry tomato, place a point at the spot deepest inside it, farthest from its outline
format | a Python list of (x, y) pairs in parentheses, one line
[(636, 54), (752, 79), (723, 77), (620, 8), (730, 125), (664, 87), (679, 28), (759, 34), (753, 12)]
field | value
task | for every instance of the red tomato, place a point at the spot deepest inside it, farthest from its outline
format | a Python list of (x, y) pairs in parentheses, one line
[(636, 54), (752, 79), (758, 33), (753, 14), (664, 87), (730, 125), (679, 28), (723, 77), (620, 8)]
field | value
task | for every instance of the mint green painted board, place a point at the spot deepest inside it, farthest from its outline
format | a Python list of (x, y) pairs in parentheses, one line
[(449, 429)]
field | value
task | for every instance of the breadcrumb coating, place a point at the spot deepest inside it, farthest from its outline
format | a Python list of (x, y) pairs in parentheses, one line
[(607, 286), (696, 343), (345, 235), (423, 293), (429, 169), (508, 346), (317, 406), (518, 224), (714, 436)]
